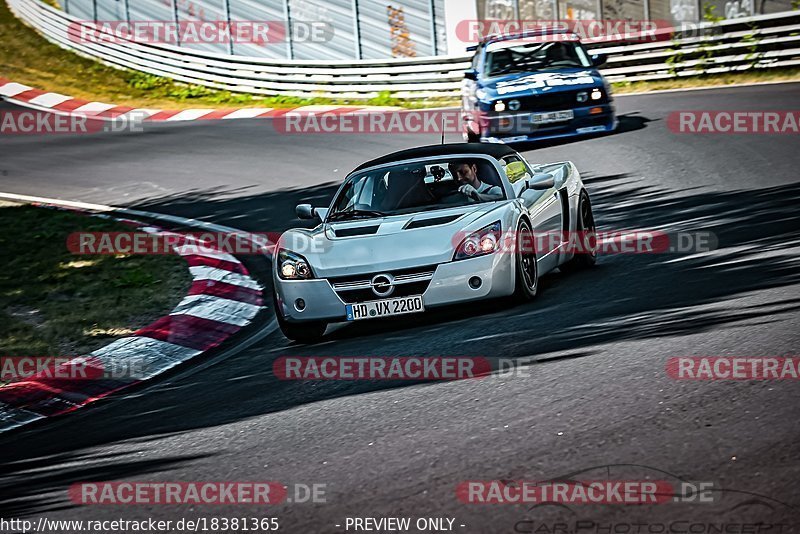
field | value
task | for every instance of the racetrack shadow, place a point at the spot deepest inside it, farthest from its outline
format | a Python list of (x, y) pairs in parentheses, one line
[(629, 122), (38, 484), (626, 297)]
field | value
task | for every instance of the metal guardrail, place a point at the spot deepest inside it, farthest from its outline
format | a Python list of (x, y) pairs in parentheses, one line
[(764, 41)]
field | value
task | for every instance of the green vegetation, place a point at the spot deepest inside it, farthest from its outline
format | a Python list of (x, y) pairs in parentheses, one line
[(55, 303)]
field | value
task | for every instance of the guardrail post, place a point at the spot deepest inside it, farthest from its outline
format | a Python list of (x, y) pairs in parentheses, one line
[(287, 12), (94, 10), (126, 7), (434, 40), (177, 22), (357, 30), (226, 5)]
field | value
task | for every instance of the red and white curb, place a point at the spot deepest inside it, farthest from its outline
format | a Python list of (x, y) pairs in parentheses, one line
[(27, 96), (222, 299)]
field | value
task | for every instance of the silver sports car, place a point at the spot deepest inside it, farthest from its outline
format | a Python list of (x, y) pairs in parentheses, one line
[(429, 227)]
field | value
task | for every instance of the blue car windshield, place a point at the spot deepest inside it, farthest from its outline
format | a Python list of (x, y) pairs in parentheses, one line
[(533, 57), (416, 187)]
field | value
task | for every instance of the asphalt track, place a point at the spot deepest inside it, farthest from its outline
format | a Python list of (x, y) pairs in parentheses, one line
[(595, 402)]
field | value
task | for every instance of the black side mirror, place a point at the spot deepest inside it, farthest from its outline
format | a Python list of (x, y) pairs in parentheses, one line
[(541, 182), (471, 74), (305, 211), (599, 59)]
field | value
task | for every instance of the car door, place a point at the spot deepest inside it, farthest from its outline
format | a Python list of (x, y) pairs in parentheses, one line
[(545, 210)]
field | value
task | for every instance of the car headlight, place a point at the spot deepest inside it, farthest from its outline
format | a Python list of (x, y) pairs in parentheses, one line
[(499, 106), (597, 94), (484, 241), (293, 266)]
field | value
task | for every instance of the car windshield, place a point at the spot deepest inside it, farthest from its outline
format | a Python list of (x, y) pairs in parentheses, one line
[(415, 187), (533, 57)]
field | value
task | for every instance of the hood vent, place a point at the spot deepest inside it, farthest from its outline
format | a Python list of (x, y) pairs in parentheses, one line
[(435, 221), (356, 230)]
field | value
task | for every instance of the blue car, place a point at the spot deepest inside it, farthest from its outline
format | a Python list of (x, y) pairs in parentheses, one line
[(535, 86)]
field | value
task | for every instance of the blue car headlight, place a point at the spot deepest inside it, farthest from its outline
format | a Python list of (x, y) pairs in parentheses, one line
[(292, 266), (484, 241)]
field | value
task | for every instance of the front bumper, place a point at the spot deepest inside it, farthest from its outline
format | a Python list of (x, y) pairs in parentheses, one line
[(516, 127), (449, 285)]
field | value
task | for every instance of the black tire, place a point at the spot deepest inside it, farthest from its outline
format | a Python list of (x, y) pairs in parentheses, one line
[(527, 270), (306, 332), (586, 252)]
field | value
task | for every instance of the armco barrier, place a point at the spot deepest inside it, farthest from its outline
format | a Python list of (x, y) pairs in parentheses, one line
[(763, 41)]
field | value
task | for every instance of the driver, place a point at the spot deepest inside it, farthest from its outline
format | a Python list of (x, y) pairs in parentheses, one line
[(467, 174)]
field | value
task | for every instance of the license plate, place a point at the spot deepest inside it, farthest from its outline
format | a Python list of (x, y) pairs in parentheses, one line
[(552, 116), (591, 129), (385, 308)]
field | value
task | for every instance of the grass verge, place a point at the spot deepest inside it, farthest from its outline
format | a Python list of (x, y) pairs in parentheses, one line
[(55, 303)]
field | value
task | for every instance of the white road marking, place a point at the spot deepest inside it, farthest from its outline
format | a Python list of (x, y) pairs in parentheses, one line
[(190, 115), (13, 88), (201, 250), (49, 100), (217, 309), (94, 107), (203, 272), (247, 113), (144, 357)]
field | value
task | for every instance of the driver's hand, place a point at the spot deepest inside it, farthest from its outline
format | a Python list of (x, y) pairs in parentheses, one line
[(469, 191)]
